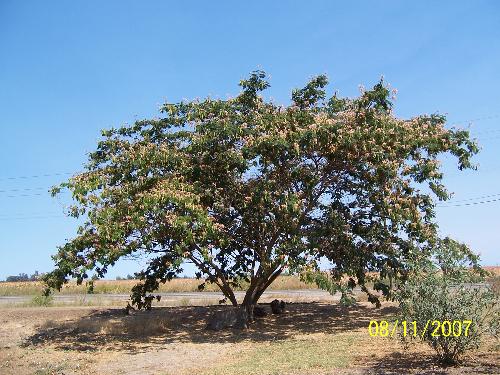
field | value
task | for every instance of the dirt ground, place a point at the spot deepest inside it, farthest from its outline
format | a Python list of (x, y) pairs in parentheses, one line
[(311, 338)]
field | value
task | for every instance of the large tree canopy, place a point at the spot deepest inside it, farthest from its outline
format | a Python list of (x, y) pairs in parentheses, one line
[(244, 188)]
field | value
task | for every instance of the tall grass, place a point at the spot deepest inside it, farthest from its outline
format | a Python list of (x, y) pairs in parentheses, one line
[(24, 288)]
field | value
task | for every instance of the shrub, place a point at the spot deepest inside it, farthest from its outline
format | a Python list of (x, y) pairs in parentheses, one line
[(449, 286), (41, 300)]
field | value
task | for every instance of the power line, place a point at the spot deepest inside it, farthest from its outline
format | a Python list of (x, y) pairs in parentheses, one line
[(26, 189), (471, 199), (36, 176), (46, 194), (24, 195), (471, 204)]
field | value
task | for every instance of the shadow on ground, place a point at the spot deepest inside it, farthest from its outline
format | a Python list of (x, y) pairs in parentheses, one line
[(149, 331), (112, 329)]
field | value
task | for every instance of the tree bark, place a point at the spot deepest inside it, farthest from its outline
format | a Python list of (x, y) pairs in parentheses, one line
[(248, 301)]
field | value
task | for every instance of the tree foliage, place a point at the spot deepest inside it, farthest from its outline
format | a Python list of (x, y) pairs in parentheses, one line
[(244, 188)]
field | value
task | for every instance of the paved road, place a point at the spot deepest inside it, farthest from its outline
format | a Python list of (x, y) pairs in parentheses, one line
[(192, 297), (171, 297)]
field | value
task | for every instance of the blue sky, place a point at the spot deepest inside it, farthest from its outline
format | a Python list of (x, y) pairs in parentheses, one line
[(69, 69)]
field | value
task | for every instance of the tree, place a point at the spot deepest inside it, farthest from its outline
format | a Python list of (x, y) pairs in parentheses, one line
[(244, 188), (24, 277), (20, 277)]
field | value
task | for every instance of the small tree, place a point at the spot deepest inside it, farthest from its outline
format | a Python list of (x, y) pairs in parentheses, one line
[(243, 188), (449, 287)]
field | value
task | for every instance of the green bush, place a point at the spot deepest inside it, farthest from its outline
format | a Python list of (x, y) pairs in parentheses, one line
[(41, 300), (449, 286)]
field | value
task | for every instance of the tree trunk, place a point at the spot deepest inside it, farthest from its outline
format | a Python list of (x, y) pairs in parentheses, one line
[(257, 287), (249, 300), (249, 309), (256, 290), (266, 285)]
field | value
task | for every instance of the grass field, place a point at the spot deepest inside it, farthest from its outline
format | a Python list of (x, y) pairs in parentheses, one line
[(124, 286)]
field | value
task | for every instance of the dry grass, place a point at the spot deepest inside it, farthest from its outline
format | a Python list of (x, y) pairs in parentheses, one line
[(124, 286), (494, 270), (143, 325), (297, 356), (311, 338)]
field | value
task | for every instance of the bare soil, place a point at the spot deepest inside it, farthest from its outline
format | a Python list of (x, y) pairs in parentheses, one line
[(173, 340)]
